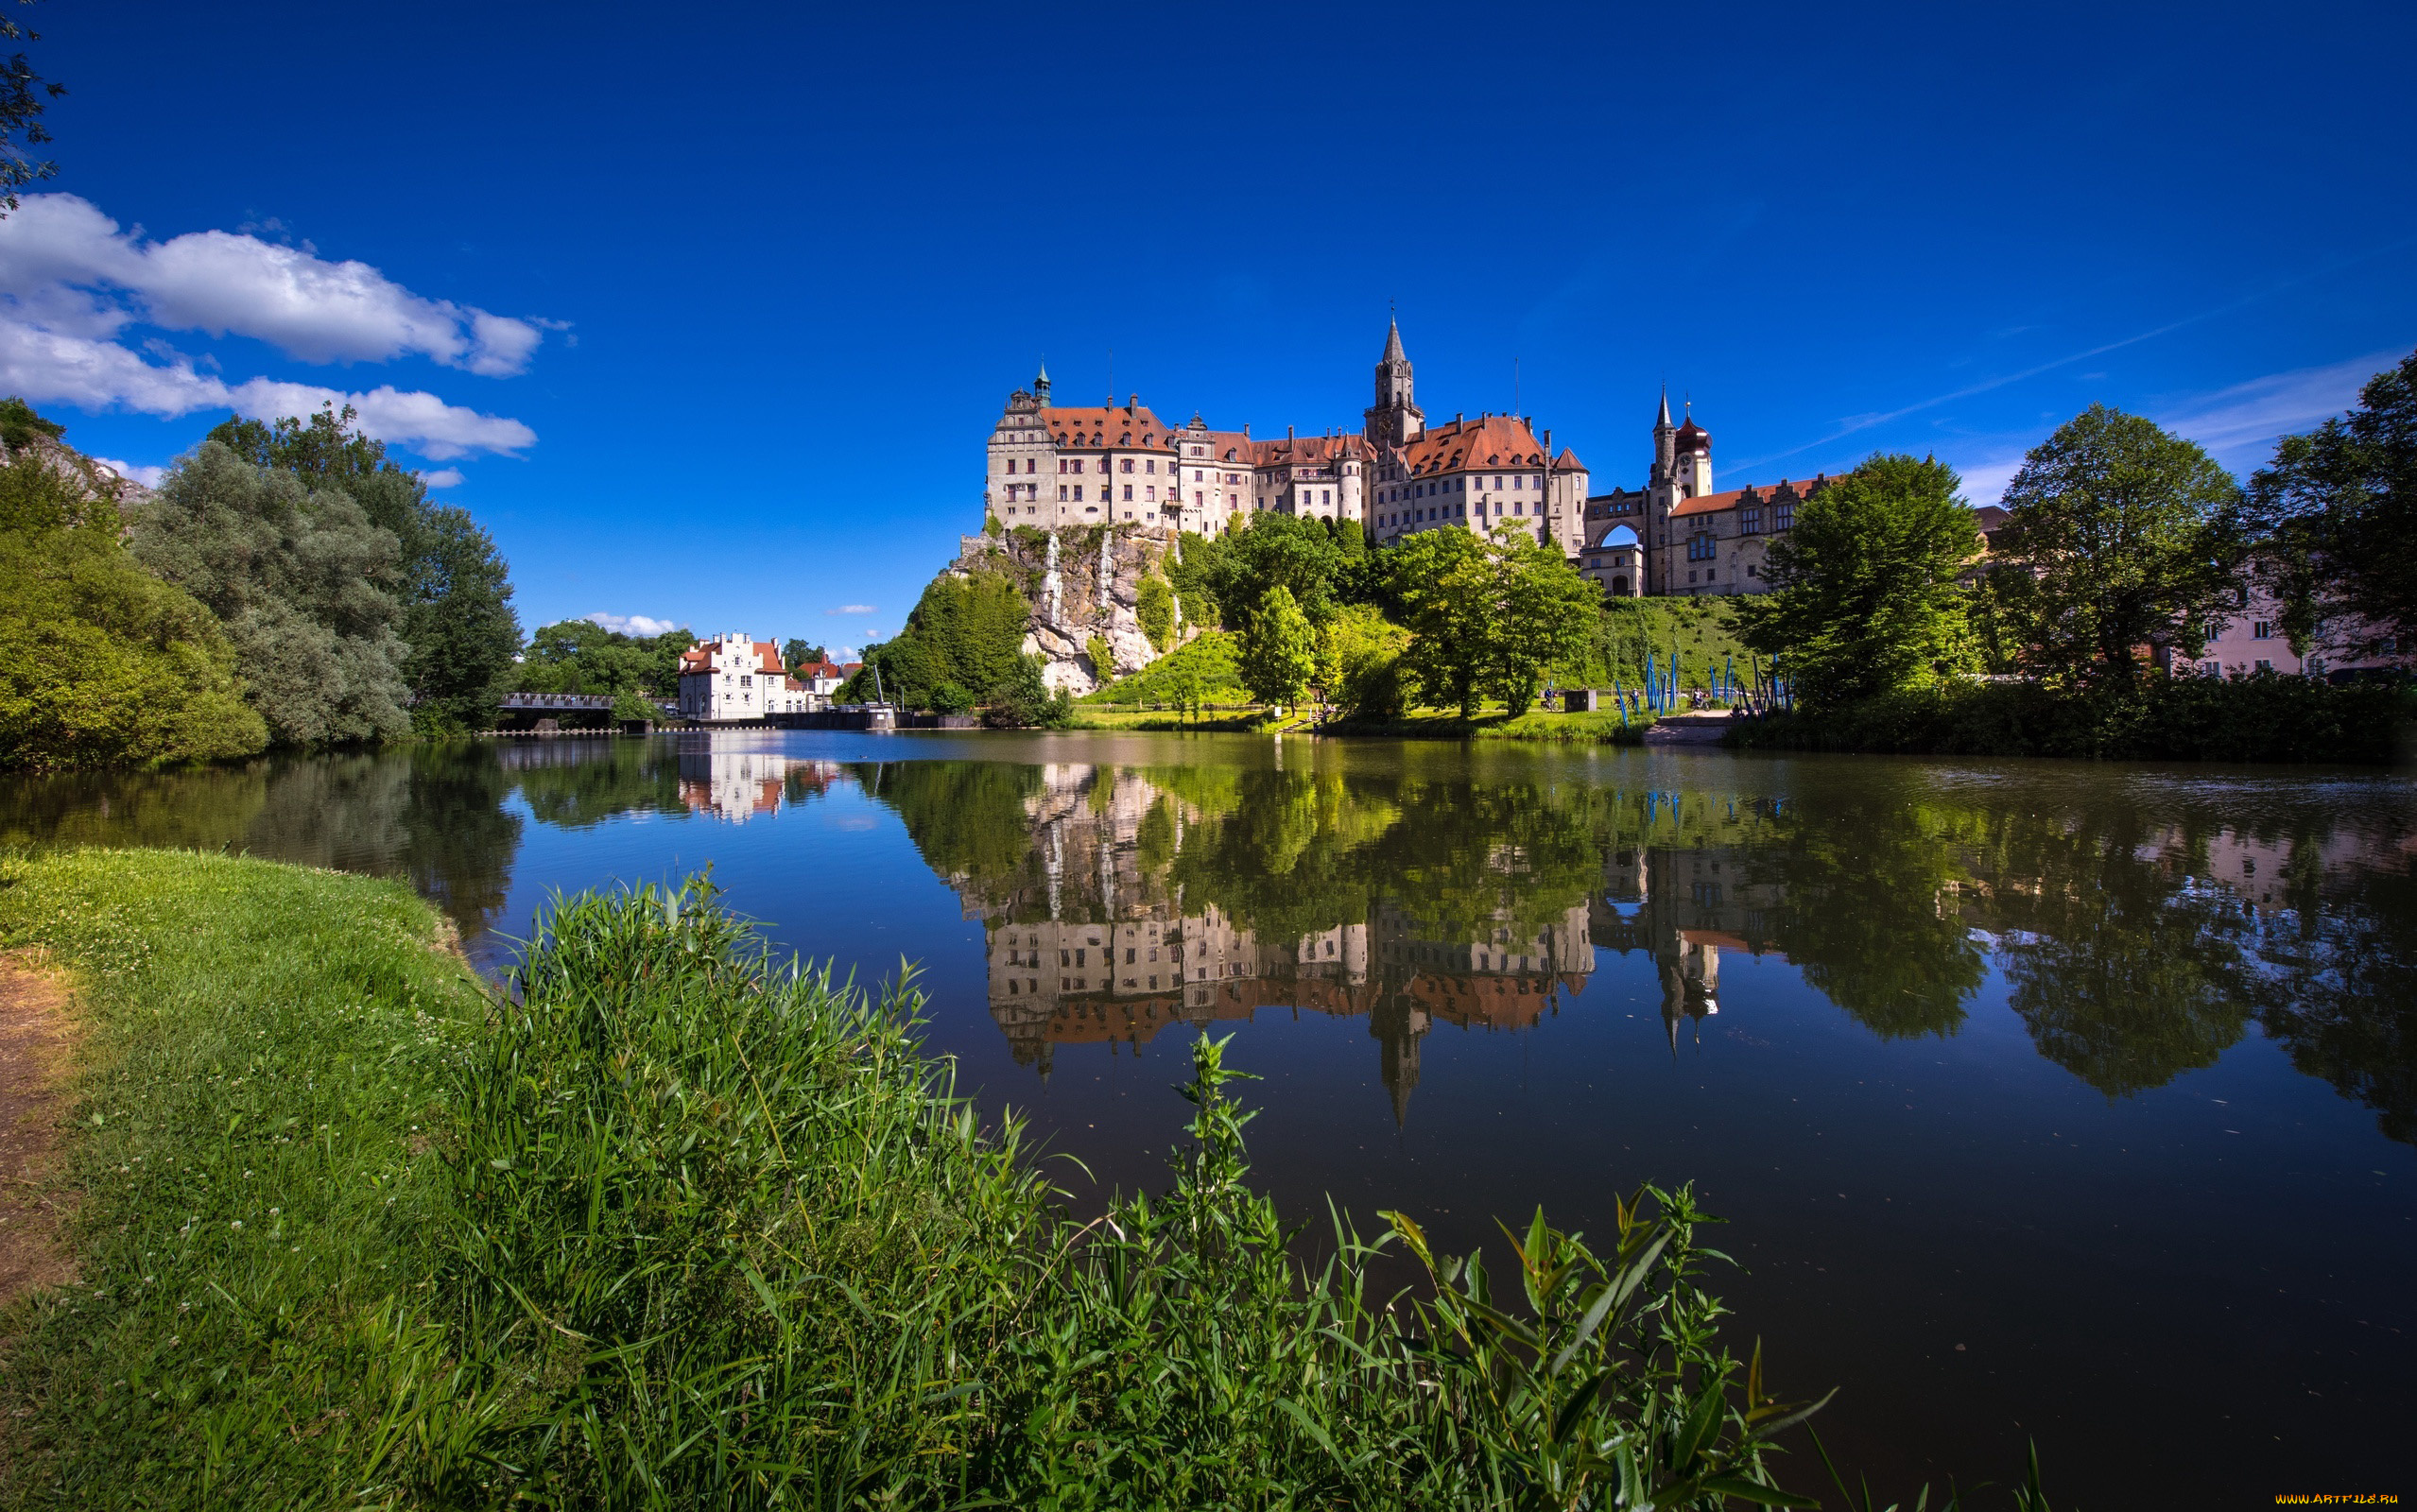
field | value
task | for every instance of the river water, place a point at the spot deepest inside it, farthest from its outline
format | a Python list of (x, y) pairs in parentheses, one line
[(2043, 1100)]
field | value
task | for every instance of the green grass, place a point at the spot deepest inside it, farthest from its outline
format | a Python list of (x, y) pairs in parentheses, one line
[(1209, 657), (673, 1223), (1538, 725), (262, 1090)]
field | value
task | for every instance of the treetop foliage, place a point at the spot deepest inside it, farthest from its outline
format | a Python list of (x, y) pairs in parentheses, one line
[(2126, 537), (2337, 512), (1866, 597), (24, 95), (101, 663), (580, 656)]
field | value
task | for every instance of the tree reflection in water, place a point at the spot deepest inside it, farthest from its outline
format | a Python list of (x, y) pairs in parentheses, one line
[(2140, 921), (2137, 936)]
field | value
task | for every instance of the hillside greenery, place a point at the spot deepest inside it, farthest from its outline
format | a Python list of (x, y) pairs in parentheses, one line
[(1204, 670), (101, 663)]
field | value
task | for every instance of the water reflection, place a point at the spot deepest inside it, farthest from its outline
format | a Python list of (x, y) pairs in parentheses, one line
[(2141, 925), (2138, 939)]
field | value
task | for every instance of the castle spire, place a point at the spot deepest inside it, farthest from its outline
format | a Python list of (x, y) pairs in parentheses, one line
[(1393, 343), (1662, 423)]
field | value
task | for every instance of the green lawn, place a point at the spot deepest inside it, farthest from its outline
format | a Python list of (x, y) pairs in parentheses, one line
[(260, 1092)]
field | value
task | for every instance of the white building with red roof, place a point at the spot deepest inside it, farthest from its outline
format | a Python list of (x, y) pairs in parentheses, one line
[(735, 677)]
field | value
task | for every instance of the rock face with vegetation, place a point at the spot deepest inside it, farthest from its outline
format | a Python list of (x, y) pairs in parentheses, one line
[(1088, 591)]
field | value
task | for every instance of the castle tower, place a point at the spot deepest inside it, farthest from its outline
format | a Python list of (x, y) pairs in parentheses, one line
[(1665, 436), (1395, 417), (1040, 389)]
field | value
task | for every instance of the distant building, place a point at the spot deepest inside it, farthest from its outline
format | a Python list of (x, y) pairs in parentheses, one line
[(1051, 466), (1677, 535), (734, 675)]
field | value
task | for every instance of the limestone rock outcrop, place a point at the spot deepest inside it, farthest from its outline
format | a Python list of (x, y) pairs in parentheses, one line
[(1081, 583)]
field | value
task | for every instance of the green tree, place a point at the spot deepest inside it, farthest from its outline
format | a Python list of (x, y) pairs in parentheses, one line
[(458, 629), (1295, 553), (307, 587), (458, 621), (797, 652), (1866, 597), (967, 628), (1359, 661), (2128, 537), (1488, 615), (1154, 609), (1445, 585), (22, 96), (101, 663), (1192, 571), (1279, 650), (2337, 509), (1548, 615)]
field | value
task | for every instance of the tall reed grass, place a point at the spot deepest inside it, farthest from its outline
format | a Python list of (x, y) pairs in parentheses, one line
[(681, 1224), (732, 1240)]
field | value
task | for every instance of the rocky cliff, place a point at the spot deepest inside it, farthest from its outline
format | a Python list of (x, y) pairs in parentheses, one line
[(1081, 583)]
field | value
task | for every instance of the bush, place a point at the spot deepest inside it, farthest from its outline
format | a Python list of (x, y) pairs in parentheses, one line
[(101, 663), (951, 698), (2262, 718)]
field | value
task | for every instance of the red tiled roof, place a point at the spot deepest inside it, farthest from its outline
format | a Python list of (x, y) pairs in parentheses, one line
[(1714, 503), (701, 658), (1231, 448), (1489, 441), (1107, 425), (1307, 451), (1567, 462)]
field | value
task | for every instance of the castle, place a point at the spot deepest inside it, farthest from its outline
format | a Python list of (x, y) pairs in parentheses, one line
[(1052, 467)]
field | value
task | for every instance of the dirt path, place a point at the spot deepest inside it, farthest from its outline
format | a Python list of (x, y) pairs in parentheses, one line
[(35, 1035)]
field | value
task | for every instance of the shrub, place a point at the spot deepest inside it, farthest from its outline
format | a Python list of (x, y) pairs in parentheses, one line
[(951, 698), (2262, 718)]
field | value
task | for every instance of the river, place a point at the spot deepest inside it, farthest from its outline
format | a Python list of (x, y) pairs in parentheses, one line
[(2043, 1100)]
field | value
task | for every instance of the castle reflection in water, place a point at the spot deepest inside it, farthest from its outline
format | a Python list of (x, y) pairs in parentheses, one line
[(1111, 953)]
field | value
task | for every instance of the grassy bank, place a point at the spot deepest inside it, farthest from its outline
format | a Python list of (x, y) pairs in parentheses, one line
[(264, 1073), (675, 1224), (2251, 719), (1605, 727)]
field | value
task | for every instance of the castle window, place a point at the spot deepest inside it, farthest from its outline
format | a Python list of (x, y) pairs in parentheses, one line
[(1077, 493), (1129, 493), (1061, 494), (1783, 516), (1752, 522), (1126, 465), (1061, 464)]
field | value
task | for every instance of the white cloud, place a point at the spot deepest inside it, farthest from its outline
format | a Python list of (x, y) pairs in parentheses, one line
[(147, 476), (56, 367), (443, 477), (640, 624), (851, 609), (65, 266), (2239, 424)]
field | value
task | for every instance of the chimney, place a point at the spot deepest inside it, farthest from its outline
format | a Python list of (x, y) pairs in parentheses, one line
[(1246, 430), (1458, 415), (1287, 432), (1132, 402)]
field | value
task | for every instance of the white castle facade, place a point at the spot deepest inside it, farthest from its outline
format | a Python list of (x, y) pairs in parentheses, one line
[(1052, 465)]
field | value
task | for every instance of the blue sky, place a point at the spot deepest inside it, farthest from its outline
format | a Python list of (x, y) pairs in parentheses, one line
[(710, 309)]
